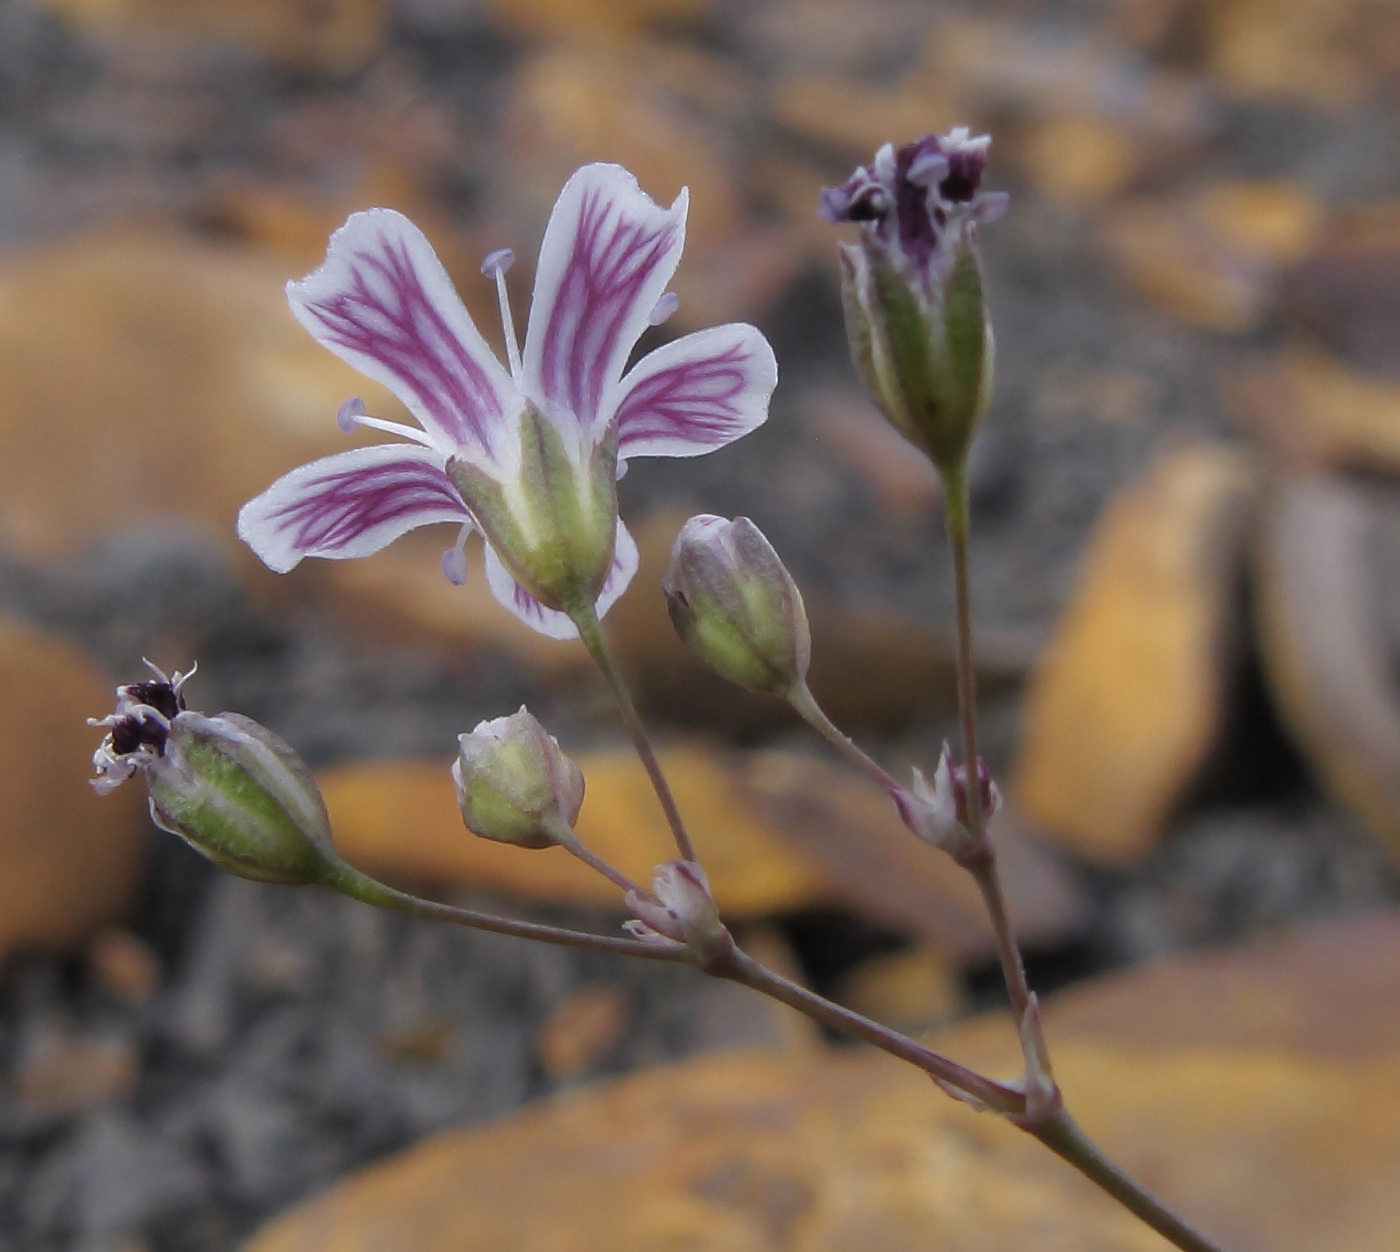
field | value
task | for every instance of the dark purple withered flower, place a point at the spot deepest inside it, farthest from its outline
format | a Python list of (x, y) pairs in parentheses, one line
[(527, 455), (916, 202), (912, 289)]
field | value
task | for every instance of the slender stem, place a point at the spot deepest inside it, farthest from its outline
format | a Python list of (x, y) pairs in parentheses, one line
[(741, 968), (812, 713), (1063, 1136), (570, 843), (983, 867), (591, 632), (351, 882)]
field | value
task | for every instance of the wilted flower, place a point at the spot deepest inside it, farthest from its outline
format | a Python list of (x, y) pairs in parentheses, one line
[(735, 606), (515, 784), (937, 811), (679, 910), (226, 785), (912, 291), (529, 455)]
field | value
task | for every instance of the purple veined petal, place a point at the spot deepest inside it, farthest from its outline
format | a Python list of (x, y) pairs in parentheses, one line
[(697, 393), (608, 253), (383, 302), (551, 622), (348, 505)]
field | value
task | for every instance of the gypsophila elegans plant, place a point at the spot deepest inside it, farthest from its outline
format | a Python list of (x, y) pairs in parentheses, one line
[(528, 453)]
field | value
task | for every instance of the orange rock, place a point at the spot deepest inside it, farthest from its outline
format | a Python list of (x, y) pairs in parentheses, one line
[(1260, 1143), (147, 375), (1128, 698), (1315, 410), (72, 858)]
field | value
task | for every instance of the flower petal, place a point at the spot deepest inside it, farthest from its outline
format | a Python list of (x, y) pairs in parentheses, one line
[(696, 394), (383, 302), (551, 622), (608, 253), (349, 504)]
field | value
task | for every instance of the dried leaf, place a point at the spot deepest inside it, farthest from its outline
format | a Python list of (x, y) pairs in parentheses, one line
[(912, 990), (1325, 650), (72, 858), (583, 1029), (1127, 700), (1078, 161)]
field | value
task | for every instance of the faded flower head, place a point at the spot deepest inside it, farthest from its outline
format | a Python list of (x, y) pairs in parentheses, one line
[(679, 910), (936, 810), (515, 784), (735, 606), (912, 290), (229, 787), (528, 454)]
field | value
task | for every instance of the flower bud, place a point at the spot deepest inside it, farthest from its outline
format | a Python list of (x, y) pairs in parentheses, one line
[(229, 787), (553, 519), (679, 910), (735, 606), (515, 784), (912, 291)]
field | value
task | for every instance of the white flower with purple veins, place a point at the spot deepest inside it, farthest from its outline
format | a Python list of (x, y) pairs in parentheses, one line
[(528, 456)]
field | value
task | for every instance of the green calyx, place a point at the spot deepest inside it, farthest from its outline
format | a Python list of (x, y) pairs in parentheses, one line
[(926, 356), (554, 523), (240, 795)]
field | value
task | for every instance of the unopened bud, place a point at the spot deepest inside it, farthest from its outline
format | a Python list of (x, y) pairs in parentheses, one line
[(515, 784), (680, 909), (912, 291), (736, 607), (226, 785)]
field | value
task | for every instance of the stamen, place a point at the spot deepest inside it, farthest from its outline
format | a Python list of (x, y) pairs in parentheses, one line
[(665, 305), (454, 560), (350, 414), (495, 266)]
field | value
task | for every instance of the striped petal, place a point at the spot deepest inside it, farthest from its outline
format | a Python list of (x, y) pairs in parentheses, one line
[(608, 253), (696, 394), (383, 302), (551, 622), (348, 505)]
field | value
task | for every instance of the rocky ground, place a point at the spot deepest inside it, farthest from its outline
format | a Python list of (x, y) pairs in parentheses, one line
[(231, 1048)]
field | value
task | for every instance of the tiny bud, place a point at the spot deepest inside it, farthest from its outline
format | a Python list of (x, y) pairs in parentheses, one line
[(937, 812), (515, 784), (229, 787), (736, 607), (679, 910)]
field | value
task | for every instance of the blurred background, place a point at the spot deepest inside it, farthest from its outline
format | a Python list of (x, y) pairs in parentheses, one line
[(1186, 551)]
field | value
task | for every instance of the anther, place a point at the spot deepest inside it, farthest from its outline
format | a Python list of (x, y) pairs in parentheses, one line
[(454, 560), (667, 304), (495, 266), (350, 414)]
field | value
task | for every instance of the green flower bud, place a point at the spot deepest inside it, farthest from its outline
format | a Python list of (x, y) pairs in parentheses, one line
[(515, 784), (553, 519), (735, 606), (229, 787)]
